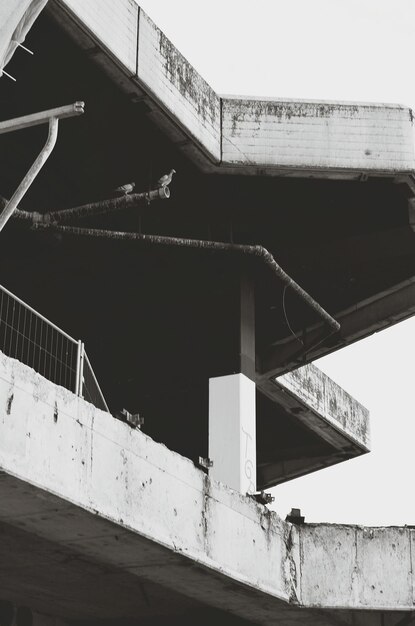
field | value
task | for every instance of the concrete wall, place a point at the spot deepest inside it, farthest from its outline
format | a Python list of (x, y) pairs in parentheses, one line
[(242, 134), (62, 445)]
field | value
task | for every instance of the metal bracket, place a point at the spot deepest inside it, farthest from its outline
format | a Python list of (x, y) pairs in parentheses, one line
[(262, 497), (135, 420), (295, 517), (52, 117), (205, 462)]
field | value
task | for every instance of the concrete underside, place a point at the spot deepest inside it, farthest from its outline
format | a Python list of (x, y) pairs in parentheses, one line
[(63, 561), (338, 422), (98, 522)]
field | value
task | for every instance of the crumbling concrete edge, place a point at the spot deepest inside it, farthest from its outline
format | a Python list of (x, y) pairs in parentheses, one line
[(61, 444), (64, 446)]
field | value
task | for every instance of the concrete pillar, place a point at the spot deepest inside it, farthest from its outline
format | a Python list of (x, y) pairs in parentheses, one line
[(232, 415), (232, 431)]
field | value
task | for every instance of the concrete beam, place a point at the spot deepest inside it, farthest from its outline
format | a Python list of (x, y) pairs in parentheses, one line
[(84, 481), (343, 420), (316, 135), (309, 396), (182, 525)]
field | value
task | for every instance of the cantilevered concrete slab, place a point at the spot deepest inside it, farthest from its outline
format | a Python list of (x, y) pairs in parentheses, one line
[(90, 494), (237, 135), (338, 425)]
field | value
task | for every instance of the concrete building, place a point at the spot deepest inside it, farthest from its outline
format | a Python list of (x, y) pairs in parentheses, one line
[(285, 233)]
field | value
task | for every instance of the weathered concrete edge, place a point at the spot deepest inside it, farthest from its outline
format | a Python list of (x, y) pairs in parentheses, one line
[(317, 135), (347, 103), (318, 392), (345, 565), (137, 88), (249, 165), (62, 444), (178, 88)]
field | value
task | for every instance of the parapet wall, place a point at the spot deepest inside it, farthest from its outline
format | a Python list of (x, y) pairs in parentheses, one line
[(55, 443)]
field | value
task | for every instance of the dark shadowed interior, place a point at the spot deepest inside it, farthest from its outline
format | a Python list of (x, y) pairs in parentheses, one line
[(159, 321)]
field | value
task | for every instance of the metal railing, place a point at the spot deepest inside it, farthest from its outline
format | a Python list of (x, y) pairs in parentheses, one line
[(91, 390), (34, 340)]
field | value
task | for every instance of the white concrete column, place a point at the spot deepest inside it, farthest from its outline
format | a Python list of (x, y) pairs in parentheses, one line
[(232, 431)]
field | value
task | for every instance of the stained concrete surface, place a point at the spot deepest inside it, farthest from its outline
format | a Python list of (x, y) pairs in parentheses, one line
[(97, 503)]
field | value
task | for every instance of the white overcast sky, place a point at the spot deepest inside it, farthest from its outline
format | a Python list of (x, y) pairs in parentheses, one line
[(360, 50)]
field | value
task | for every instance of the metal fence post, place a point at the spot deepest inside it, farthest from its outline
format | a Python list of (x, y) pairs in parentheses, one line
[(79, 369), (78, 357)]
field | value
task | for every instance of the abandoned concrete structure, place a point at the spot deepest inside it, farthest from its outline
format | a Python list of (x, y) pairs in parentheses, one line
[(284, 233)]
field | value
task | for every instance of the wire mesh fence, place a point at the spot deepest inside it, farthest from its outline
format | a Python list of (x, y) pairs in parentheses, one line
[(28, 336)]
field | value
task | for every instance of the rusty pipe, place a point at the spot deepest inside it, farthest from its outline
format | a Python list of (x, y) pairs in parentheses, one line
[(105, 206), (89, 210), (248, 250)]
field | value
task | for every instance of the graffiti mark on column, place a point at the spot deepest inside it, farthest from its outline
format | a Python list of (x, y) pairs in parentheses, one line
[(249, 468)]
